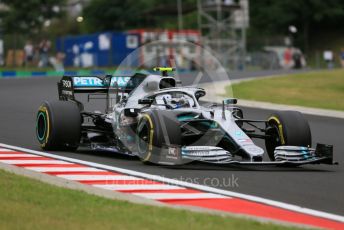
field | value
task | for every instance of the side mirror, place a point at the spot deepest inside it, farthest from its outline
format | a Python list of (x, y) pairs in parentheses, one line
[(145, 101), (131, 112), (230, 101), (199, 94)]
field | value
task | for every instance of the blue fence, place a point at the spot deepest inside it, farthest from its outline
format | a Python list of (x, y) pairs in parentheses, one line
[(99, 49)]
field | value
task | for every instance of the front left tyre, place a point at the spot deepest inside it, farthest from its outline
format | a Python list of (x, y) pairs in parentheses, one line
[(287, 128), (58, 125)]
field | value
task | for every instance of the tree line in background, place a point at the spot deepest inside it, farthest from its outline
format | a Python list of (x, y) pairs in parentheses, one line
[(28, 16), (311, 17), (268, 18)]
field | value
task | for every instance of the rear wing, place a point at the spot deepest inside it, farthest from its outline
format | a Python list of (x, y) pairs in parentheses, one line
[(69, 85)]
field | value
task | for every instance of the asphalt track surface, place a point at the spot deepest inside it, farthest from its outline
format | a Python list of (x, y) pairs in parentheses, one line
[(319, 187)]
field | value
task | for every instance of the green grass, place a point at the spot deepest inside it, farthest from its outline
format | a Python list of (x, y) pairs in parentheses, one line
[(29, 204), (323, 89)]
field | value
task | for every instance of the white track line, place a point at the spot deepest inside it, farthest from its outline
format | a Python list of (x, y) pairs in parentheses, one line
[(179, 196), (165, 180), (64, 169), (99, 177), (124, 187), (15, 162)]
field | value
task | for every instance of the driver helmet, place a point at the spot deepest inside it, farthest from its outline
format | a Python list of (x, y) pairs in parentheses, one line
[(177, 103)]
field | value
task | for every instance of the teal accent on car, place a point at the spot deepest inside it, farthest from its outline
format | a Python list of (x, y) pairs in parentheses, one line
[(185, 117)]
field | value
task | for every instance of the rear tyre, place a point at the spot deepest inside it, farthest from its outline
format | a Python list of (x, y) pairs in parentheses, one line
[(154, 130), (58, 125), (287, 128)]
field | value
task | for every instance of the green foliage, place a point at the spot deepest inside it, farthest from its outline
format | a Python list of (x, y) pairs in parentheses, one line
[(275, 16), (101, 15), (28, 16), (309, 16)]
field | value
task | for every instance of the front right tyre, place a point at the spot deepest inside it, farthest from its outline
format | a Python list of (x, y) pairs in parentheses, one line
[(155, 130)]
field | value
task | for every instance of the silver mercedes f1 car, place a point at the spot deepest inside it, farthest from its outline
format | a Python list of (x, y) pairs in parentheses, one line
[(156, 119)]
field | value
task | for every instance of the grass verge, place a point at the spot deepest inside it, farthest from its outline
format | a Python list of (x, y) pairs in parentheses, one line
[(29, 204), (323, 89)]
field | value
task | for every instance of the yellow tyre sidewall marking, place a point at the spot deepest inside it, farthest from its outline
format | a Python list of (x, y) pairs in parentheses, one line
[(45, 110), (280, 128), (150, 147)]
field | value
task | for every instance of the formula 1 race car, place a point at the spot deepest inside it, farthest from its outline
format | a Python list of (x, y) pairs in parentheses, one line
[(156, 119)]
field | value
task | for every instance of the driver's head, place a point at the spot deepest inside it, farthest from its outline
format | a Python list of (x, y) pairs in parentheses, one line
[(177, 103)]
